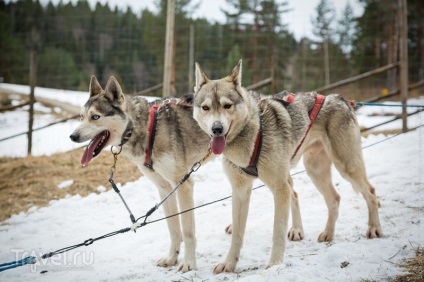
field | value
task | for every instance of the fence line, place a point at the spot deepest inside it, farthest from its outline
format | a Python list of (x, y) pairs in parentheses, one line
[(10, 108), (389, 121), (149, 90), (39, 128), (396, 92), (260, 84), (257, 86), (358, 77)]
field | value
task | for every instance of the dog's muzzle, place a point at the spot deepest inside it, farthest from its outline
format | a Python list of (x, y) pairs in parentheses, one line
[(218, 138), (217, 129), (74, 137)]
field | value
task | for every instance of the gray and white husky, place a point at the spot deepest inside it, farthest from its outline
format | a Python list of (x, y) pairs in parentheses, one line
[(112, 118), (233, 118)]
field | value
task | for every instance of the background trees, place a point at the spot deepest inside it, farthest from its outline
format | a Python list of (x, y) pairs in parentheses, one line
[(76, 41)]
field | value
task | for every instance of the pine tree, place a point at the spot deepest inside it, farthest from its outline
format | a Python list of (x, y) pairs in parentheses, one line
[(323, 29)]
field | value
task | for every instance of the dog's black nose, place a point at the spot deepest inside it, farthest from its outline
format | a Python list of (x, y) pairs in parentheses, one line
[(217, 129), (74, 137)]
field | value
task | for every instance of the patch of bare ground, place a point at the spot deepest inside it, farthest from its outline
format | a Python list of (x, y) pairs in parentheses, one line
[(33, 181)]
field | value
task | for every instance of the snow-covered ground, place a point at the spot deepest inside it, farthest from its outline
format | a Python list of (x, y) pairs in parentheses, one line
[(395, 167)]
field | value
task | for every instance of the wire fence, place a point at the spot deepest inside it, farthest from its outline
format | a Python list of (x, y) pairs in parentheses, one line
[(74, 41)]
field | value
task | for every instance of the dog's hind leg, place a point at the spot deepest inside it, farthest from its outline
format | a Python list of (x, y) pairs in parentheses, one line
[(185, 200), (351, 166), (170, 208), (241, 191), (318, 168), (296, 231)]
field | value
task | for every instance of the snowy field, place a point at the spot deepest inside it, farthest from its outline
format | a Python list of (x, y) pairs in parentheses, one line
[(395, 167)]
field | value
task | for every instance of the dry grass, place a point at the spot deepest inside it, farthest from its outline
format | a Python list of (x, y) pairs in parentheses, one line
[(385, 132), (414, 268), (32, 181)]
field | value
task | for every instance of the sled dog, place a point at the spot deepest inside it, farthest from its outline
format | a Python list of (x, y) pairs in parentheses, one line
[(265, 137), (164, 151)]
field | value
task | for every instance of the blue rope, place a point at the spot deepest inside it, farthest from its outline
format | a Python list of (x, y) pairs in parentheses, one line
[(14, 264), (388, 105)]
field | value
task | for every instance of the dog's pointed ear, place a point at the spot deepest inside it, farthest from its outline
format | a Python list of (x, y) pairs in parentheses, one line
[(201, 78), (114, 91), (95, 87), (235, 75)]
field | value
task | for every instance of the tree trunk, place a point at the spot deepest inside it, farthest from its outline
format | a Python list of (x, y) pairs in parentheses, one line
[(255, 44), (326, 62)]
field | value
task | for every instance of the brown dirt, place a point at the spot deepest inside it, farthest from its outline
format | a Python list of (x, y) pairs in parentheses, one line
[(32, 181)]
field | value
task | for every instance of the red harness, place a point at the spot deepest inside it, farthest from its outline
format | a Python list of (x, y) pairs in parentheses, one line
[(148, 162), (252, 168), (319, 100), (152, 132)]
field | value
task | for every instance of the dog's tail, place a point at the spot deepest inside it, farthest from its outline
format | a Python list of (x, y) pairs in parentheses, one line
[(186, 101)]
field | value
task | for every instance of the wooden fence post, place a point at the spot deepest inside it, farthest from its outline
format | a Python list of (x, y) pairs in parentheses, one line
[(191, 61), (169, 46), (32, 82), (33, 42), (403, 48)]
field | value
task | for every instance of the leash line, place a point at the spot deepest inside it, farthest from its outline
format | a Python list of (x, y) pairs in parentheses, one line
[(14, 264), (360, 104), (391, 137), (194, 168), (114, 187)]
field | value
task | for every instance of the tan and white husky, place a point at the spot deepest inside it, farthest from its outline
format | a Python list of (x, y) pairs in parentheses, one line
[(234, 120)]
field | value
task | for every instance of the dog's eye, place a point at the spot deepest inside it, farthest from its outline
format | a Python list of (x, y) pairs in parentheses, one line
[(96, 117), (205, 108), (227, 106)]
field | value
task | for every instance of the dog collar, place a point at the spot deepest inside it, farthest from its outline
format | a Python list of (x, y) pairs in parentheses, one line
[(127, 133)]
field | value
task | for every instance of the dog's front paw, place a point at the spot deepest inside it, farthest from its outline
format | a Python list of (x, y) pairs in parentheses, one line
[(295, 234), (186, 266), (169, 261), (325, 236), (229, 229), (374, 232), (272, 263), (224, 267)]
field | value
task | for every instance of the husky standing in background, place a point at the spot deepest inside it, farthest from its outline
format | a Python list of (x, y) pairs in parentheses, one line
[(235, 121), (111, 118)]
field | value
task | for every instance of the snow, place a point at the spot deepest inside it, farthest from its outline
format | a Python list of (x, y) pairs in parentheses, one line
[(65, 184), (373, 115), (395, 168)]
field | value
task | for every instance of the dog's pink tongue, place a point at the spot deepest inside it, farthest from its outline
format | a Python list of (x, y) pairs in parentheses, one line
[(218, 145), (88, 153)]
